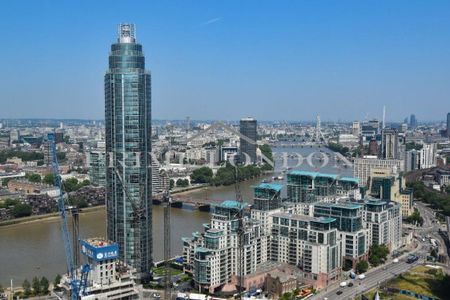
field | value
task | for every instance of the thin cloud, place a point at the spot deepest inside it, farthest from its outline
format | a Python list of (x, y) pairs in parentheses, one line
[(209, 22)]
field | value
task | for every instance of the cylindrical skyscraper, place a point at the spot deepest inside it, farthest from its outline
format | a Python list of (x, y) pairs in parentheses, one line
[(128, 148)]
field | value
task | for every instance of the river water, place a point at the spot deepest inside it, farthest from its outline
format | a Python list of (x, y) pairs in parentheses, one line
[(36, 249)]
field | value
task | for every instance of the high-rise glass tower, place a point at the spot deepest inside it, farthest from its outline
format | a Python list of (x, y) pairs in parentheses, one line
[(128, 147), (247, 127), (448, 125)]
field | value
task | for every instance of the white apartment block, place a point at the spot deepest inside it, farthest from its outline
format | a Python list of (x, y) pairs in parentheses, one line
[(213, 257), (309, 243), (383, 219), (427, 156), (362, 167)]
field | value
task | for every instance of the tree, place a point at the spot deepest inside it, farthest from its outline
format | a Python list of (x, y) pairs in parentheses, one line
[(182, 182), (171, 183), (434, 253), (267, 152), (79, 202), (49, 179), (9, 202), (33, 177), (36, 285), (415, 218), (61, 156), (202, 175), (57, 280), (362, 266), (44, 285), (70, 185), (378, 254), (5, 181), (26, 287), (22, 210)]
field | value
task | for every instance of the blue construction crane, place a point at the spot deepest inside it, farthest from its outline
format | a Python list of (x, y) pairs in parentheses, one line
[(77, 287)]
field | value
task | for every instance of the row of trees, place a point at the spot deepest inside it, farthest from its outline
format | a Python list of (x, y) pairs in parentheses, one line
[(225, 175), (28, 155), (182, 182), (267, 152), (19, 209), (377, 255), (34, 177), (414, 218), (38, 287), (24, 155), (338, 148), (437, 200), (72, 184)]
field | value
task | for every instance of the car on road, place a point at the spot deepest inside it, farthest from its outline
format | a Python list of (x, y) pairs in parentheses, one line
[(361, 276), (350, 284), (395, 260), (412, 258), (343, 283), (339, 292)]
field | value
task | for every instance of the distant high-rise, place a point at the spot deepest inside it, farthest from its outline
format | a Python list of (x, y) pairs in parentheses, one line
[(356, 128), (128, 147), (248, 144), (373, 147), (412, 121), (389, 144), (448, 125)]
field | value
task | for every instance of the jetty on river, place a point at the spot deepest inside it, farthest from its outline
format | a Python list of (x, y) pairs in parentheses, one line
[(197, 203)]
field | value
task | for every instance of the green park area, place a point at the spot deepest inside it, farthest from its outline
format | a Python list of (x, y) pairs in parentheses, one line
[(428, 281), (161, 271)]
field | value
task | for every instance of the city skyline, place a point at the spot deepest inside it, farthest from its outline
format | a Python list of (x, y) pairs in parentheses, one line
[(281, 57)]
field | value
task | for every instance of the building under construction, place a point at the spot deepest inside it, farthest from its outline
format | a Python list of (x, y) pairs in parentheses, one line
[(106, 277)]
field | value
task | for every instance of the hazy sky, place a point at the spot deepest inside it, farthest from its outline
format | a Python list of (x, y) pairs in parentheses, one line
[(274, 60)]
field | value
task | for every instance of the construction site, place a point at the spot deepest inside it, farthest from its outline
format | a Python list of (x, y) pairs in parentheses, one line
[(94, 270)]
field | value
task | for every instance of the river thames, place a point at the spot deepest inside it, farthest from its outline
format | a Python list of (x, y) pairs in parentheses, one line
[(36, 249)]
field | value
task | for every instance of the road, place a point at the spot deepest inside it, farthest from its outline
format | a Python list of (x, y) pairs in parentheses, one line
[(373, 278), (390, 270), (431, 227)]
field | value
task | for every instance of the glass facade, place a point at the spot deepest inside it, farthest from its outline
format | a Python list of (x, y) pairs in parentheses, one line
[(310, 187), (128, 148), (248, 128), (349, 217)]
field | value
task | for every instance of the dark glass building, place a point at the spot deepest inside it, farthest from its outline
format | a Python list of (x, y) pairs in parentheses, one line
[(128, 147), (412, 121), (448, 125), (247, 128)]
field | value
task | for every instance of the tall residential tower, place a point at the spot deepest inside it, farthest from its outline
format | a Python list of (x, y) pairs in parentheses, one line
[(128, 147)]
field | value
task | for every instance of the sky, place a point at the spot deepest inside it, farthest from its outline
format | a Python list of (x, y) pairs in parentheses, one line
[(223, 60)]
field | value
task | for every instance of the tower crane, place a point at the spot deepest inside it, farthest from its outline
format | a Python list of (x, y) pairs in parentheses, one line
[(240, 233), (167, 201), (77, 287)]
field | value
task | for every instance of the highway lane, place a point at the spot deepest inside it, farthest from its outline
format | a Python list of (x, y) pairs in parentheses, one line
[(374, 276), (373, 279), (390, 270), (431, 226)]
